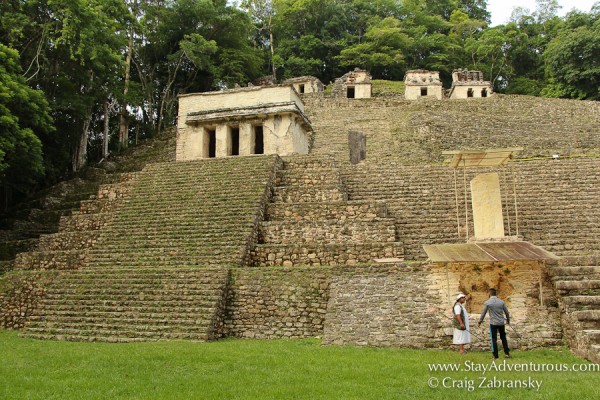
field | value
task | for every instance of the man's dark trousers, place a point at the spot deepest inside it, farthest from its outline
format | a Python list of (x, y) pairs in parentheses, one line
[(494, 329)]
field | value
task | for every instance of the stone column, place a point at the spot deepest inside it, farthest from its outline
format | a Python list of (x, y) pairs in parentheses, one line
[(190, 145), (246, 139), (223, 141), (270, 134)]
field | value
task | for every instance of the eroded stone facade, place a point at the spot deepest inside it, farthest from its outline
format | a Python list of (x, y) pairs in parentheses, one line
[(468, 84), (420, 83), (305, 84), (353, 85)]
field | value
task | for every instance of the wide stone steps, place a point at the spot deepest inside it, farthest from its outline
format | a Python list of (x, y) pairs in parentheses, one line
[(593, 335), (56, 304), (123, 319), (308, 193), (111, 336), (575, 272), (585, 286), (582, 302), (328, 231), (131, 304), (341, 210), (309, 254)]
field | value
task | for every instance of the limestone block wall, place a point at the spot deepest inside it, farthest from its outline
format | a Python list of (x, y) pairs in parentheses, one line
[(384, 306), (407, 305), (270, 303), (20, 293), (51, 260), (84, 222), (69, 240)]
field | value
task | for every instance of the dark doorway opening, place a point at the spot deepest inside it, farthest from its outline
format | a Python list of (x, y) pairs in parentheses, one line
[(301, 88), (259, 140), (423, 91), (212, 143), (350, 92), (235, 141), (469, 92), (484, 92)]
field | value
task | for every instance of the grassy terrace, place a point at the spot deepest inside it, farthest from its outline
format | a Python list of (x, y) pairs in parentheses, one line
[(253, 369)]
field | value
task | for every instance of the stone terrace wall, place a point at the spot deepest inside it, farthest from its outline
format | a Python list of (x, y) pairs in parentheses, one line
[(417, 132), (270, 303), (384, 306), (407, 305)]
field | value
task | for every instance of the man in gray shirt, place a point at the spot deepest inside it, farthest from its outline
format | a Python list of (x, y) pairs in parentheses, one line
[(497, 310)]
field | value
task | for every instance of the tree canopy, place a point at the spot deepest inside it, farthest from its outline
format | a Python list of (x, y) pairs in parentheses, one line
[(83, 78)]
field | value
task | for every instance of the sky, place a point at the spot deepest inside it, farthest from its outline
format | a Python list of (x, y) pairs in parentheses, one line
[(501, 9)]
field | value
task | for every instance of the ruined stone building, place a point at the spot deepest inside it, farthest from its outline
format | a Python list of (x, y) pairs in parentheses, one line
[(420, 83), (467, 84), (305, 84), (299, 241), (242, 121), (353, 85)]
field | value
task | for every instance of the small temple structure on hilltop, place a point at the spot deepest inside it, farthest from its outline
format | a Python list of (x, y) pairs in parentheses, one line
[(467, 84), (242, 121), (305, 84), (420, 83), (353, 85)]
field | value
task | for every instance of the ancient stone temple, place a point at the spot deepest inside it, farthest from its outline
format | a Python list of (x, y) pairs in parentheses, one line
[(242, 121), (467, 84), (353, 85), (420, 83), (305, 84)]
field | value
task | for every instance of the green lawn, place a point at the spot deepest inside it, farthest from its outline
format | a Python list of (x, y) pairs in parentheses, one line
[(260, 369)]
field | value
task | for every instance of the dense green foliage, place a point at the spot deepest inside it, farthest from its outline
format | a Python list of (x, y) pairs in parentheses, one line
[(124, 62), (254, 369)]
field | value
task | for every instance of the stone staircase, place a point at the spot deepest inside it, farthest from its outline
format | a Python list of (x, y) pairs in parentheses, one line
[(577, 281), (557, 202), (147, 259), (125, 305), (310, 222)]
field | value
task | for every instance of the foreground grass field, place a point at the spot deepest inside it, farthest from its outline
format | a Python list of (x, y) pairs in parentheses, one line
[(279, 369)]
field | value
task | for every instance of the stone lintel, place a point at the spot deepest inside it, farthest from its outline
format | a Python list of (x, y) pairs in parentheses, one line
[(248, 112)]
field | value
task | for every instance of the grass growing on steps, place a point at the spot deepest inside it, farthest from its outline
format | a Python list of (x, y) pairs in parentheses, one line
[(253, 369)]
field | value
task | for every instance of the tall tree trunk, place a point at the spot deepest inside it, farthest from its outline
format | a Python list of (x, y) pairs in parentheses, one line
[(124, 114), (105, 132), (272, 54), (80, 154)]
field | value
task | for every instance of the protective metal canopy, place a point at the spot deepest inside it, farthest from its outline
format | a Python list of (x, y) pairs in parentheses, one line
[(487, 251), (481, 158)]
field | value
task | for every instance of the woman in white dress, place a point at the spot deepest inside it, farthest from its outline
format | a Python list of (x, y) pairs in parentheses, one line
[(461, 334)]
